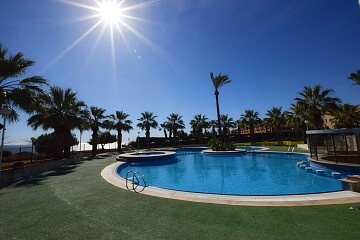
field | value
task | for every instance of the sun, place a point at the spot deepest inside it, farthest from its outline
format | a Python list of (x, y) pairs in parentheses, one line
[(111, 12), (112, 19)]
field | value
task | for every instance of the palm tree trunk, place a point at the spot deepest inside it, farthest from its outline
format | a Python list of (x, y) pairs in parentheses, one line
[(252, 134), (303, 132), (218, 112), (147, 138), (170, 133), (198, 133), (95, 139), (174, 137), (57, 146), (94, 144), (80, 139), (67, 144), (119, 141)]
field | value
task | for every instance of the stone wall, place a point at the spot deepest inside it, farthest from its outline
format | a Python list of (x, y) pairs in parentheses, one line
[(19, 171)]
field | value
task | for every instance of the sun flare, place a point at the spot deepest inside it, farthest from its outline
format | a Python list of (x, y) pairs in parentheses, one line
[(113, 19), (110, 12)]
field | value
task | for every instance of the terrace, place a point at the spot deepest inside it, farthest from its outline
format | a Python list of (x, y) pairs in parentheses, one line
[(340, 146)]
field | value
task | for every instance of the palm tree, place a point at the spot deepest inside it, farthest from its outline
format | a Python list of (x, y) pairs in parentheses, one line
[(62, 111), (147, 121), (165, 127), (240, 125), (213, 124), (355, 77), (18, 93), (250, 118), (347, 115), (176, 123), (227, 123), (198, 124), (95, 121), (121, 123), (297, 116), (316, 102), (219, 81), (275, 119)]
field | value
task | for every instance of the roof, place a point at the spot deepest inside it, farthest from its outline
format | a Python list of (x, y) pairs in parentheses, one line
[(333, 131)]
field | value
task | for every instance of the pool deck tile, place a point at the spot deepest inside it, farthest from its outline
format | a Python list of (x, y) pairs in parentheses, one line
[(341, 197)]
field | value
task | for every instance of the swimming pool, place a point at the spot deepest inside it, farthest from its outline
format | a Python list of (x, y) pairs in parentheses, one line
[(255, 174)]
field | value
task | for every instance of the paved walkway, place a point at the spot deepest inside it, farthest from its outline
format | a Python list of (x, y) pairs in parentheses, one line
[(341, 197)]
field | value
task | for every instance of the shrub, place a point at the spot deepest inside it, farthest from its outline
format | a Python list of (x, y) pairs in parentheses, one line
[(218, 145)]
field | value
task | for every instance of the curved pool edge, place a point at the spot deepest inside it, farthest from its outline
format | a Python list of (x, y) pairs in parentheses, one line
[(336, 166), (212, 152), (109, 174), (146, 156)]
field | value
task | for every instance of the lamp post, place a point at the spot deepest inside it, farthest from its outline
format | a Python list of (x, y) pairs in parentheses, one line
[(33, 141), (307, 129), (5, 111), (307, 125)]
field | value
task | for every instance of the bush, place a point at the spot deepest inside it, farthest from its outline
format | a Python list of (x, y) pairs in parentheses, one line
[(218, 145)]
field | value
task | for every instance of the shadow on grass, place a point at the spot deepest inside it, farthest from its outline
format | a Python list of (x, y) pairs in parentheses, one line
[(99, 156), (60, 171), (38, 179)]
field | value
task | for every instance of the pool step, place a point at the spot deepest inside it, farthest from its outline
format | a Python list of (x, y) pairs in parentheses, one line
[(335, 175), (304, 166), (188, 153), (306, 163)]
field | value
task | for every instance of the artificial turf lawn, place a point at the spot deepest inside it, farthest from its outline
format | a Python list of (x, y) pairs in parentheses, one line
[(74, 202)]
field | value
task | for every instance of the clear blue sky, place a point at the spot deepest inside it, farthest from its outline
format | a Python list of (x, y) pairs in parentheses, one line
[(161, 60)]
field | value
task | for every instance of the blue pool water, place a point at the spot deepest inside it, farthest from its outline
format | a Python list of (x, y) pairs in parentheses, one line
[(249, 148), (244, 174)]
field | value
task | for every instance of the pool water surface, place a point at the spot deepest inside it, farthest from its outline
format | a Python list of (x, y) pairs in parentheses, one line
[(244, 174)]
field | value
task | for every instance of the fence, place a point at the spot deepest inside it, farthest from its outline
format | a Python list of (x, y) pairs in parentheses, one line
[(23, 161), (24, 156)]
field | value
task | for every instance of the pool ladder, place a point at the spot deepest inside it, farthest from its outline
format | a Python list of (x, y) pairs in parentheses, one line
[(136, 179), (291, 148)]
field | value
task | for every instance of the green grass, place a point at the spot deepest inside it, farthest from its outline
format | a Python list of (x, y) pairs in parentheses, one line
[(285, 149), (74, 202)]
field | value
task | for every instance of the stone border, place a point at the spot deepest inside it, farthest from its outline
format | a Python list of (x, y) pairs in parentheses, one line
[(146, 156), (254, 150), (210, 151), (109, 173)]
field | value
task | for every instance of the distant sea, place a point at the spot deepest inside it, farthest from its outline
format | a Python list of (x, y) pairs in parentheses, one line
[(17, 148)]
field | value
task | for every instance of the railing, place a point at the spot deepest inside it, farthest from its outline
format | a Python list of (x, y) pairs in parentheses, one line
[(27, 159), (291, 148), (136, 180)]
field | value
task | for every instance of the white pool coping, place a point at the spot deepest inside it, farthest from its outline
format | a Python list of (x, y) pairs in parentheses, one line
[(147, 155), (109, 173), (210, 151)]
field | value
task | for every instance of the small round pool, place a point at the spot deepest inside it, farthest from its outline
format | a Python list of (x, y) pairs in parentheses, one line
[(250, 148), (146, 156), (260, 173)]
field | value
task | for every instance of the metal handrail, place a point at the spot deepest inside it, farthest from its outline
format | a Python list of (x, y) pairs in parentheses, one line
[(135, 181)]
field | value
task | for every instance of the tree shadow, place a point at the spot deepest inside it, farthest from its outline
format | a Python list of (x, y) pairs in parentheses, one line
[(98, 157), (39, 178)]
